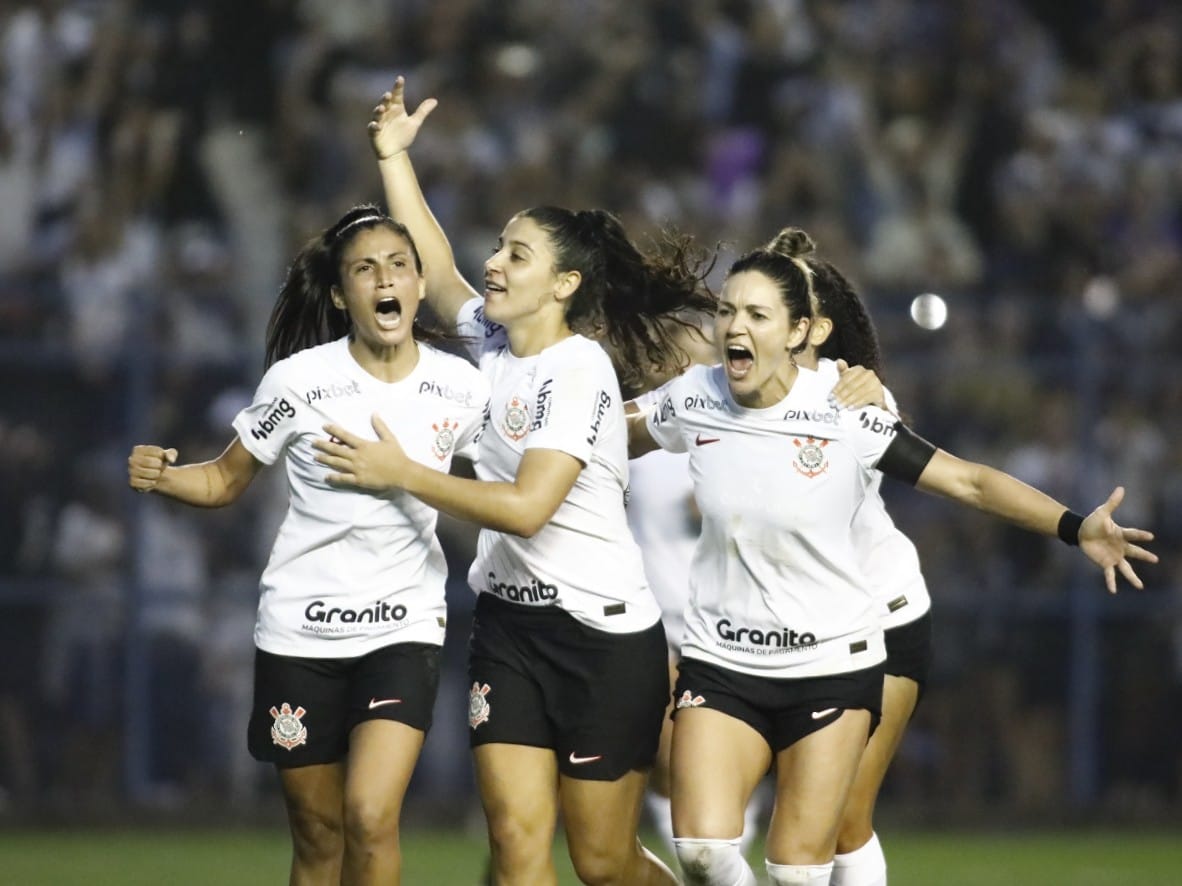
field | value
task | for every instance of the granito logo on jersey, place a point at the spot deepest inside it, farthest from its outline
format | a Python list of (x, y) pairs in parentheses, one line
[(542, 410), (516, 420), (446, 392), (332, 391), (876, 425), (287, 731), (811, 460), (825, 418), (689, 700), (602, 402), (324, 618), (698, 401), (277, 412), (445, 439), (776, 638), (533, 591), (478, 707)]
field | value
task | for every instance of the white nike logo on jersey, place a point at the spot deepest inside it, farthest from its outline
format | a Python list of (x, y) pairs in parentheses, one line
[(577, 760), (817, 715), (382, 702)]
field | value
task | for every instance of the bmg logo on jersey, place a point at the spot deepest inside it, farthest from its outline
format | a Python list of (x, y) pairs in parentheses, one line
[(533, 591), (542, 410), (447, 392), (332, 391), (601, 405), (275, 416), (763, 642), (876, 425)]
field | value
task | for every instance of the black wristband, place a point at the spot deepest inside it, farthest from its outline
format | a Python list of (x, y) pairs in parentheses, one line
[(1069, 526)]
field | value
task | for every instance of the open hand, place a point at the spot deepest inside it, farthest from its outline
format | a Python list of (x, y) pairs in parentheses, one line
[(392, 130), (1110, 546), (857, 386), (378, 465)]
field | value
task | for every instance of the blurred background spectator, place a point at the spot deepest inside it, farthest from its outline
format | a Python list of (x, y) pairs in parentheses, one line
[(1022, 158)]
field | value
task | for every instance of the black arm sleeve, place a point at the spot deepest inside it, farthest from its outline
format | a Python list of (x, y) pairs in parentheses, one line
[(907, 455)]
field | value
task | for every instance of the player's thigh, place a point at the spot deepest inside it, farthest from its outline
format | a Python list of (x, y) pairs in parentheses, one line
[(717, 761), (314, 797), (601, 817), (518, 787), (899, 695), (813, 780), (382, 758)]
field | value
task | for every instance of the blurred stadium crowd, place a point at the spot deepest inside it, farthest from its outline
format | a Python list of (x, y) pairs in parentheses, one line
[(160, 162)]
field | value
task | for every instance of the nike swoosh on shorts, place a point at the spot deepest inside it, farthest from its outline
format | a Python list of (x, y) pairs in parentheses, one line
[(382, 702)]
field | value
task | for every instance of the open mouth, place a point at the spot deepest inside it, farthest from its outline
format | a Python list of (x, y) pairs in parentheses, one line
[(738, 360), (490, 286), (389, 312)]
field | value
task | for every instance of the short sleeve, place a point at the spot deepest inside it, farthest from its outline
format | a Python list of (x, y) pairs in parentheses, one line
[(662, 420), (871, 431), (480, 334), (468, 443), (270, 422), (572, 405)]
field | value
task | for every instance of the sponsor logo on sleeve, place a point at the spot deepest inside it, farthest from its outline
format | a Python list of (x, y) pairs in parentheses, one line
[(542, 409), (602, 402), (877, 425), (279, 412), (665, 412)]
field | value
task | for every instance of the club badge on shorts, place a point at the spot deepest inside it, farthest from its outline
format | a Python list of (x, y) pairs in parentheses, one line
[(811, 459), (689, 700), (478, 706), (287, 731), (445, 439)]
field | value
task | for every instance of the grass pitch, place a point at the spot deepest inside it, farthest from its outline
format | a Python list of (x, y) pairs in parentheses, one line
[(441, 858)]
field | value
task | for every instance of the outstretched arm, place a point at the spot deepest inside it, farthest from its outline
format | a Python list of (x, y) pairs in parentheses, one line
[(209, 484), (544, 479), (995, 492), (392, 131)]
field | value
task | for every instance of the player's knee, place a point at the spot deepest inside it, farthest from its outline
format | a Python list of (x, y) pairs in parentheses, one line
[(316, 835), (369, 822), (599, 864), (514, 836), (712, 862), (799, 874)]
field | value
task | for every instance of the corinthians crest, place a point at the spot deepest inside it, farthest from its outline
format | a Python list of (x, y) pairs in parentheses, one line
[(445, 439), (516, 420), (287, 731), (811, 459), (478, 706)]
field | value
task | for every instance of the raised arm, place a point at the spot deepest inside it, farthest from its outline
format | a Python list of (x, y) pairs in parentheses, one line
[(392, 131), (995, 492), (209, 484)]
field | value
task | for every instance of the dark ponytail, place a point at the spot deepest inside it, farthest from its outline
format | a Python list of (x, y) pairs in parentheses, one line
[(304, 315), (633, 299), (853, 338)]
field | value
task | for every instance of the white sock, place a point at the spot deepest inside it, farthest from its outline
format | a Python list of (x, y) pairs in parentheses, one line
[(799, 874), (713, 863), (865, 866), (660, 810)]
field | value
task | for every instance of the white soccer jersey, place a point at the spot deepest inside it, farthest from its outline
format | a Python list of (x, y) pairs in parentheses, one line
[(584, 560), (887, 556), (353, 571), (664, 522), (775, 587)]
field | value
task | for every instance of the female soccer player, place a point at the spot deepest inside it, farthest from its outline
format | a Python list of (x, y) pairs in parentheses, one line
[(351, 610), (782, 658), (569, 681)]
